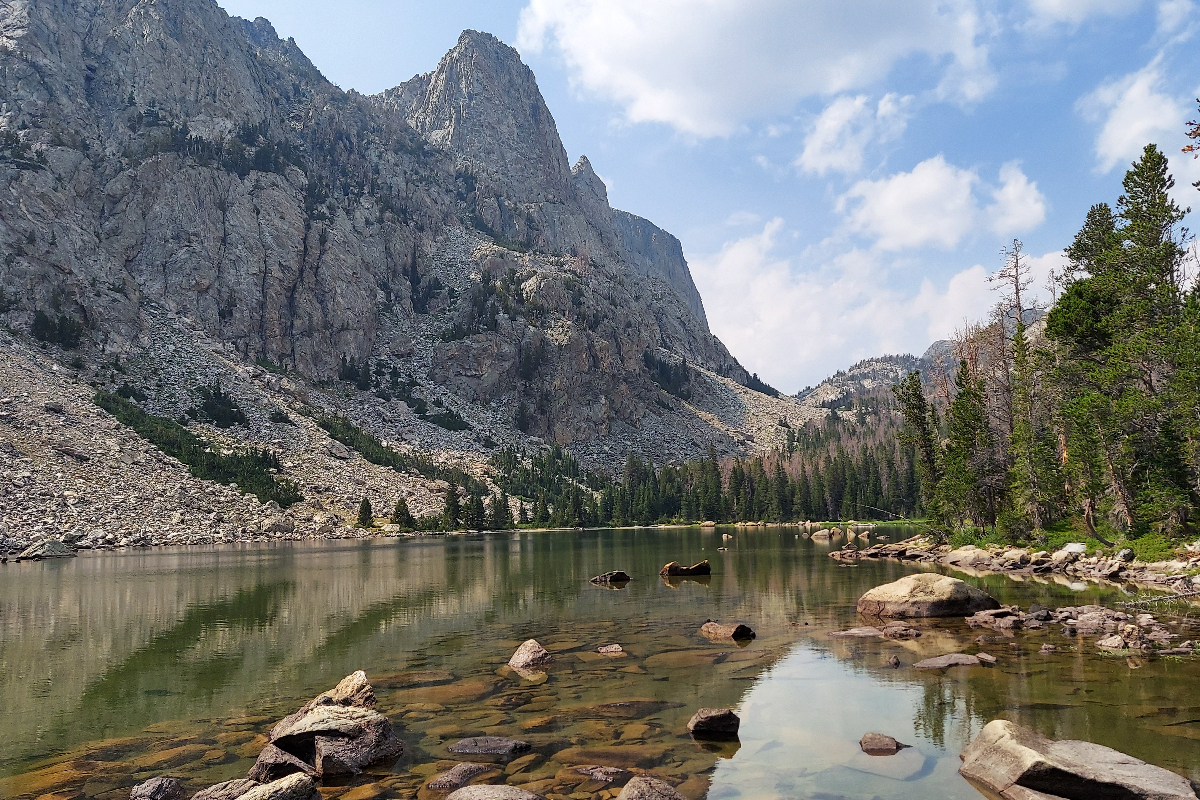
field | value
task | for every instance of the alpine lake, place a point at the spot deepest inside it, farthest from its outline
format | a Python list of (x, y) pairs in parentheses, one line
[(120, 666)]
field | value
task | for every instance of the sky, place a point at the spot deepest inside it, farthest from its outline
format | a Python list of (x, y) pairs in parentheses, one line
[(843, 174)]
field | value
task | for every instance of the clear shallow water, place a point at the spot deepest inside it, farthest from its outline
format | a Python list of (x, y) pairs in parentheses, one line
[(115, 667)]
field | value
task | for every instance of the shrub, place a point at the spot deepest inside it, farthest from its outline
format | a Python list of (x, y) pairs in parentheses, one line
[(448, 420), (218, 407), (280, 417), (374, 451), (1153, 547), (64, 331), (250, 470)]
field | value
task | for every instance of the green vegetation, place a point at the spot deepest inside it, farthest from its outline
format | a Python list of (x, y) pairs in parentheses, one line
[(374, 451), (402, 516), (366, 516), (218, 407), (1099, 421), (251, 470), (674, 379), (63, 331)]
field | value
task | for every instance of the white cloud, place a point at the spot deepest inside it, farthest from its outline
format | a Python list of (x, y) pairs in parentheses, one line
[(1132, 112), (1073, 12), (932, 205), (1018, 205), (842, 132), (707, 67), (1172, 14)]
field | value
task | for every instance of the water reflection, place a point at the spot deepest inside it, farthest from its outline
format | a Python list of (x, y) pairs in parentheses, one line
[(109, 658)]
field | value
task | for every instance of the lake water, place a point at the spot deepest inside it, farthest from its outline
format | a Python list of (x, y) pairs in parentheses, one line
[(115, 667)]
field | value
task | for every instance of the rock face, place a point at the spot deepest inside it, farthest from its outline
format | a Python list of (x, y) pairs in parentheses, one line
[(334, 734), (158, 789), (529, 656), (926, 594), (717, 632), (676, 570), (219, 180), (646, 788), (1007, 759), (714, 723)]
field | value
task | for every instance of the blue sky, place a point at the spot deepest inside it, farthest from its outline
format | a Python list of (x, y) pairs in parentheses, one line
[(842, 173)]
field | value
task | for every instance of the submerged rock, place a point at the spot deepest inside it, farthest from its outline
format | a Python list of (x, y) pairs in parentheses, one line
[(878, 744), (646, 788), (610, 650), (530, 655), (229, 790), (951, 660), (273, 764), (493, 792), (925, 594), (158, 789), (717, 631), (605, 775), (676, 570), (489, 746), (1015, 762), (457, 776), (714, 723)]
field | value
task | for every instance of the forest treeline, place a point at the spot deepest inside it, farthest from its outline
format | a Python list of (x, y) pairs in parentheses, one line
[(1091, 414)]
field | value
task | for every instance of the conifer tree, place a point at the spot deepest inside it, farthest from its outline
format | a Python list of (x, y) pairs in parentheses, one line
[(366, 517), (452, 511), (401, 515)]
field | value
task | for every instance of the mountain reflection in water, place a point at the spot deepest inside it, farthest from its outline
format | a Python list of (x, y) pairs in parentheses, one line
[(118, 666)]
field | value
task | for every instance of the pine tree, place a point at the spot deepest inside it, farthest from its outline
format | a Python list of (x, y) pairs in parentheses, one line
[(452, 511), (401, 515), (499, 515), (920, 433), (366, 517)]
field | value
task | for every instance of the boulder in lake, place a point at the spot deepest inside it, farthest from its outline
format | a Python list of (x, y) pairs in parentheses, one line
[(493, 792), (676, 570), (605, 775), (611, 650), (49, 548), (489, 746), (229, 790), (158, 789), (878, 744), (714, 723), (616, 576), (646, 788), (294, 787), (947, 661), (925, 594), (336, 733), (530, 655), (1016, 762), (716, 631)]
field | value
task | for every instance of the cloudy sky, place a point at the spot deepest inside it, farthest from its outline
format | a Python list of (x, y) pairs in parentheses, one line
[(842, 173)]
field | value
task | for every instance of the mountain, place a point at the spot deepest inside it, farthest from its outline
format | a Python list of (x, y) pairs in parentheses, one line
[(170, 165)]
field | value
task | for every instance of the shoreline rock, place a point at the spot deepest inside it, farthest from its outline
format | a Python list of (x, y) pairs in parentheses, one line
[(926, 594)]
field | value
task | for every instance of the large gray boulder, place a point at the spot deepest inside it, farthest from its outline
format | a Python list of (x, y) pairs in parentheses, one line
[(293, 787), (530, 655), (925, 594), (50, 548), (646, 788), (158, 789), (229, 790), (714, 723), (1017, 763), (493, 792)]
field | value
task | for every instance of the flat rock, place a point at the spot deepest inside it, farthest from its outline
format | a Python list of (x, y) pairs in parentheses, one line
[(866, 632), (616, 576), (1006, 756), (674, 569), (717, 631), (489, 746), (229, 790), (926, 594), (714, 723), (878, 744), (293, 787), (158, 789), (457, 776), (50, 548), (530, 655), (951, 660), (646, 788), (493, 792), (610, 650)]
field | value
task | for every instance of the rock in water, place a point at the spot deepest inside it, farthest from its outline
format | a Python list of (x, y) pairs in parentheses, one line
[(489, 746), (717, 632), (490, 792), (273, 764), (229, 790), (158, 789), (878, 744), (293, 787), (530, 655), (1006, 758), (616, 576), (610, 650), (457, 776), (644, 788), (952, 660), (50, 548), (353, 690), (926, 594), (677, 570), (714, 723)]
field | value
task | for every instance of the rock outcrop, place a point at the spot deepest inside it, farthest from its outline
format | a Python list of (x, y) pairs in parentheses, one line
[(925, 594), (1017, 763)]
